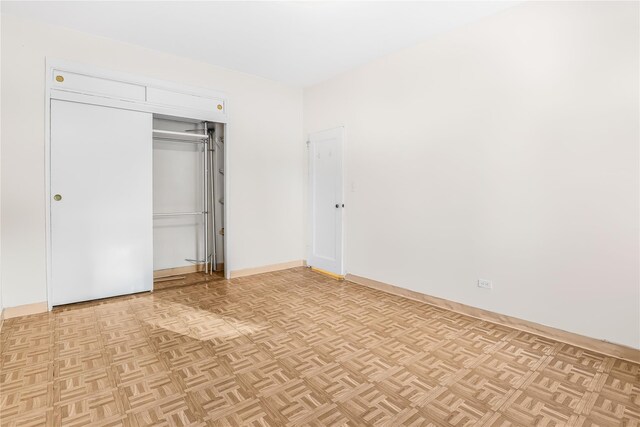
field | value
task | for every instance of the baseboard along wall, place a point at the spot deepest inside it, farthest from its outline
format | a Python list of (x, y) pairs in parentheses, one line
[(25, 310), (588, 343), (267, 268)]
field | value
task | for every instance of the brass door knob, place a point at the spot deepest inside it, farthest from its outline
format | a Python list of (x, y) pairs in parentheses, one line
[(57, 197)]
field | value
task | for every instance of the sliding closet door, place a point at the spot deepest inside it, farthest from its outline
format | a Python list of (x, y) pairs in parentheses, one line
[(101, 202)]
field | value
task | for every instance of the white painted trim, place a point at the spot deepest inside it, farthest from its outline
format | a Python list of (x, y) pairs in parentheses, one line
[(88, 70), (228, 228), (146, 107), (345, 200), (47, 178)]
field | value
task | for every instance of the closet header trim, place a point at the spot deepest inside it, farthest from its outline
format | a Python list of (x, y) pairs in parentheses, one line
[(91, 85)]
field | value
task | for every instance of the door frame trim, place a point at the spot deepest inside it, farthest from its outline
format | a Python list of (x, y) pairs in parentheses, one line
[(309, 232)]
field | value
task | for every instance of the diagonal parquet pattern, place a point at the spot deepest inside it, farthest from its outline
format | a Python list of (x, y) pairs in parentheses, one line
[(297, 348)]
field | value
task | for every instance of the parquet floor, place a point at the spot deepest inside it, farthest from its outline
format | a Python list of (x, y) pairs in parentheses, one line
[(296, 348)]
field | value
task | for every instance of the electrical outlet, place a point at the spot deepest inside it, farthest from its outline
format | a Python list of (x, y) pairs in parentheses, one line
[(485, 284)]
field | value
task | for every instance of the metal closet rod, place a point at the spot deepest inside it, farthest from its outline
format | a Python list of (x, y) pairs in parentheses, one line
[(205, 215), (179, 135), (179, 140), (179, 213)]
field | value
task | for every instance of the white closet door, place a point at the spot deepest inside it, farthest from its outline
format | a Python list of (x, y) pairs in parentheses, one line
[(326, 200), (101, 226)]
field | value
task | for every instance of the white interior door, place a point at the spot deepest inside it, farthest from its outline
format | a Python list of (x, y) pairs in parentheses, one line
[(326, 200), (101, 202)]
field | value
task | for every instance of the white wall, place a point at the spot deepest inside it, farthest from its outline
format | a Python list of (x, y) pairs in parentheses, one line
[(505, 150), (265, 200)]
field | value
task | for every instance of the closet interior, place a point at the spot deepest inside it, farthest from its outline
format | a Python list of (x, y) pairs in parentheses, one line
[(188, 197)]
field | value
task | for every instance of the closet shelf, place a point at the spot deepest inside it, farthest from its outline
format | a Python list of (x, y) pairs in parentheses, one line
[(179, 136)]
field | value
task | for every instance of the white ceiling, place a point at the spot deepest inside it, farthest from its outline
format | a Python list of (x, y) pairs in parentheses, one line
[(298, 43)]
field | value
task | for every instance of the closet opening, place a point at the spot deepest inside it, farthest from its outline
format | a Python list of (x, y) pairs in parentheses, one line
[(188, 201)]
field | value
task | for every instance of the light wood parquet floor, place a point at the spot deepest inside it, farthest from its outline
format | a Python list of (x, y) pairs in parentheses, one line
[(297, 348)]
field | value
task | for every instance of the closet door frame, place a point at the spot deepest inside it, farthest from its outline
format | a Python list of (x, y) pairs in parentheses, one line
[(53, 64)]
